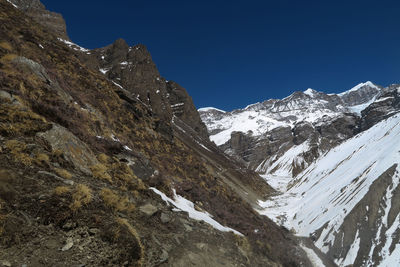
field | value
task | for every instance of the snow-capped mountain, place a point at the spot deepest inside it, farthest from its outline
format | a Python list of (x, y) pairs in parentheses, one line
[(348, 200), (282, 137), (335, 160)]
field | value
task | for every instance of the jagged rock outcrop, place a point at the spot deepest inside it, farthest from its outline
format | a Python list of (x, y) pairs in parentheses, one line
[(133, 69), (51, 20), (385, 106)]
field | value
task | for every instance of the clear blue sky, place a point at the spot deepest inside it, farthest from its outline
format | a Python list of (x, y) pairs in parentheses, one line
[(229, 54)]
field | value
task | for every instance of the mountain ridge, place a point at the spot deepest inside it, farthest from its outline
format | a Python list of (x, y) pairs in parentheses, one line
[(308, 91), (274, 126)]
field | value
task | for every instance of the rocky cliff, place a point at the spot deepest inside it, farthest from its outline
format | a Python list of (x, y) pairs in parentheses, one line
[(133, 69), (50, 20)]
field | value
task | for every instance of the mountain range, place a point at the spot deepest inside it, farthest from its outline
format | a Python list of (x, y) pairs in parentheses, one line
[(334, 160)]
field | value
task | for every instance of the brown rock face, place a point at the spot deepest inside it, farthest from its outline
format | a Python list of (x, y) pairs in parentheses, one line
[(74, 149), (387, 105), (182, 107), (51, 20), (134, 69)]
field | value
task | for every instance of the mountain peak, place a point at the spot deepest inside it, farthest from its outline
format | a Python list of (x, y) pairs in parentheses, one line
[(121, 43), (309, 92), (360, 94), (359, 86)]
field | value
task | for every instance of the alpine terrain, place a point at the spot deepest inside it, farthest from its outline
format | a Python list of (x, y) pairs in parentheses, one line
[(334, 158), (104, 162)]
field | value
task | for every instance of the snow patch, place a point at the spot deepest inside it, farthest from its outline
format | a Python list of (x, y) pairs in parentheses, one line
[(313, 257), (351, 254), (177, 105), (309, 92), (279, 183), (182, 204), (104, 71), (73, 45), (114, 138), (283, 167), (127, 148), (14, 5), (119, 85), (384, 99), (357, 109)]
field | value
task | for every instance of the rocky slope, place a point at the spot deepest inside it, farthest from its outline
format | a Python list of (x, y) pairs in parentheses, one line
[(282, 137), (94, 173)]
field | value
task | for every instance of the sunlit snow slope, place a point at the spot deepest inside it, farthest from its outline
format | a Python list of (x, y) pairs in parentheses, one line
[(348, 201)]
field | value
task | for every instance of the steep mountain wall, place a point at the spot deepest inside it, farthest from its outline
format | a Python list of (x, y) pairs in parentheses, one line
[(348, 200), (133, 69)]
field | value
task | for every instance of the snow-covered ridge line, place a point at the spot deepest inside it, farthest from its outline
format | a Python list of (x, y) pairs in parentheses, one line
[(182, 204), (310, 92), (308, 106), (358, 86), (205, 109)]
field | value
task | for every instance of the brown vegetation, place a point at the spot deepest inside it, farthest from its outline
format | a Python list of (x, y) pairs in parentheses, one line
[(81, 196), (99, 171), (63, 173), (61, 190), (116, 202)]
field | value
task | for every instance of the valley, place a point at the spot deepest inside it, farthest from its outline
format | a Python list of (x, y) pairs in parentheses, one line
[(104, 162)]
